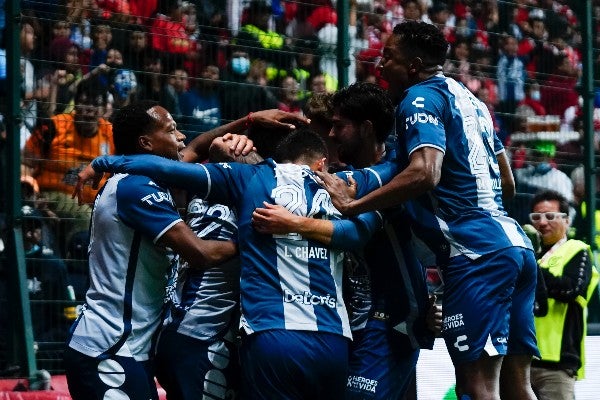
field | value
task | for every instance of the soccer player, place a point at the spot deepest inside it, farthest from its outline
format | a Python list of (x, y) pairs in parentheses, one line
[(128, 267), (295, 324), (196, 352), (386, 290), (451, 184), (134, 223)]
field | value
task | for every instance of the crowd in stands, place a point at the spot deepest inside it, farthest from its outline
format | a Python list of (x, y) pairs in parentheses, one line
[(210, 62)]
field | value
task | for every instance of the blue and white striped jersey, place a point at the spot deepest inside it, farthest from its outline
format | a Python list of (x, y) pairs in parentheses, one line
[(204, 304), (464, 213), (385, 280), (287, 281), (128, 271)]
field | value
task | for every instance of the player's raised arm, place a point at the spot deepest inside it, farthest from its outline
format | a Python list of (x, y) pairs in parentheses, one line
[(197, 150)]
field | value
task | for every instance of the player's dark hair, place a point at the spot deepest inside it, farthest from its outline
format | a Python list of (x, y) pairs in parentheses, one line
[(131, 122), (363, 101), (302, 144), (420, 39), (318, 108), (551, 195), (266, 139)]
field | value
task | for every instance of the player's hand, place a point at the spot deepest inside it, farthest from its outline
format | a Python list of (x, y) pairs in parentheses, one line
[(273, 219), (278, 119), (342, 193), (434, 316), (238, 144), (86, 175)]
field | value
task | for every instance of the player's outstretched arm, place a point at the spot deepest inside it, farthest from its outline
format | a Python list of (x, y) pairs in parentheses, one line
[(181, 175), (197, 150), (199, 253), (421, 175), (340, 234)]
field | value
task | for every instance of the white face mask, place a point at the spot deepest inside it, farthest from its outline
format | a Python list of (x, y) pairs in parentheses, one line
[(535, 95)]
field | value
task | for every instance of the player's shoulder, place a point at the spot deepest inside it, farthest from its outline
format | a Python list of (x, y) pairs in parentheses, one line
[(426, 94), (138, 186)]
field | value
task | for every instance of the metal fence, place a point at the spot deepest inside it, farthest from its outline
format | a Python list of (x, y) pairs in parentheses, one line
[(212, 62)]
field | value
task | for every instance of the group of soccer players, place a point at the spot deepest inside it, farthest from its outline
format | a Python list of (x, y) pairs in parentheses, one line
[(436, 181)]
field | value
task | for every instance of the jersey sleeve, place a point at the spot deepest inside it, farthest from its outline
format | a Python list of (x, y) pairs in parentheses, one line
[(422, 110), (498, 146), (146, 206), (353, 233), (207, 181), (371, 178)]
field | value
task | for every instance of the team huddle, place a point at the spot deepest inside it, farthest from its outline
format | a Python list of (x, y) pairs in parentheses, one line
[(299, 274)]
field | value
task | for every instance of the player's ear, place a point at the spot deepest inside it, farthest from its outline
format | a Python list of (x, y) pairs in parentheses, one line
[(366, 129), (416, 65), (145, 143)]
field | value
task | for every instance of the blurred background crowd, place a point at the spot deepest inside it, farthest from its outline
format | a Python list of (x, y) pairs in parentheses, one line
[(211, 61)]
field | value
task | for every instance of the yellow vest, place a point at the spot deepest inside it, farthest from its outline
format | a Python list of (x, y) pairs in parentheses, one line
[(549, 328), (268, 39)]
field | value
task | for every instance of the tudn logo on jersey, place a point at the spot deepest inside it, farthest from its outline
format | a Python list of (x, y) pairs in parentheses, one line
[(309, 299), (157, 197), (422, 118)]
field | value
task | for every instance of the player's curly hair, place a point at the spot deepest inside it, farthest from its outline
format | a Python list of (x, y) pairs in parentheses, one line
[(131, 122), (364, 101), (420, 39)]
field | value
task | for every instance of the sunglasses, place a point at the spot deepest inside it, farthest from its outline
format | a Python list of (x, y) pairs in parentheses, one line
[(550, 216)]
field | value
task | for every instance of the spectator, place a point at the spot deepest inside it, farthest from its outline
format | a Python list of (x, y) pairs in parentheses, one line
[(319, 84), (123, 88), (79, 13), (439, 15), (511, 75), (142, 10), (366, 63), (540, 173), (114, 10), (531, 105), (256, 39), (307, 63), (177, 83), (570, 278), (413, 10), (136, 48), (46, 282), (60, 147), (459, 67), (533, 47), (238, 95), (288, 96), (150, 78), (200, 105), (170, 38), (29, 90), (578, 225), (61, 29), (558, 92), (101, 41), (64, 77)]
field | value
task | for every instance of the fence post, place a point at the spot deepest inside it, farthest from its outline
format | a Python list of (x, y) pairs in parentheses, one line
[(343, 43), (588, 124), (19, 314)]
